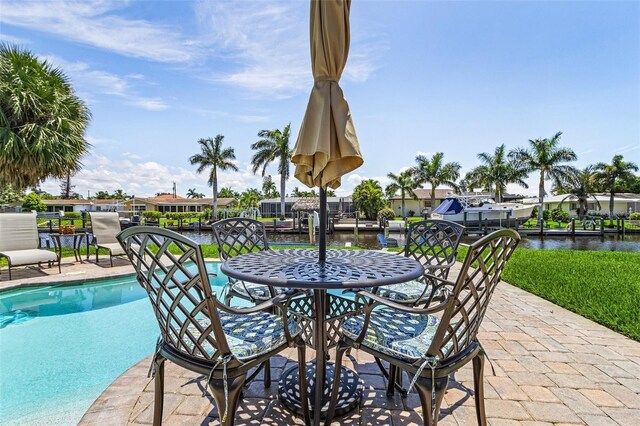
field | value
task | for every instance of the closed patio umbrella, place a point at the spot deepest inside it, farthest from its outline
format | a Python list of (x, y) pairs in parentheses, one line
[(327, 146)]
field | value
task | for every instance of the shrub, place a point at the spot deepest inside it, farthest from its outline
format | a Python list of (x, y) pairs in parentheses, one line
[(205, 214), (386, 213), (560, 215), (635, 216), (412, 213), (33, 201), (151, 215), (72, 215)]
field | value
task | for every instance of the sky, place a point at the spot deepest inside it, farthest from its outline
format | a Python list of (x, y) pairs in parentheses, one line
[(422, 77)]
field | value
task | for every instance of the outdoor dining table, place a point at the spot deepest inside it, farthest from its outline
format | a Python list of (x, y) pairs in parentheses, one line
[(322, 314)]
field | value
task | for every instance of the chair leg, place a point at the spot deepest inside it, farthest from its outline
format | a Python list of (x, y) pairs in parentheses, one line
[(391, 383), (478, 388), (234, 386), (159, 391), (267, 374), (59, 267), (304, 389), (111, 259), (423, 387), (9, 272), (340, 350)]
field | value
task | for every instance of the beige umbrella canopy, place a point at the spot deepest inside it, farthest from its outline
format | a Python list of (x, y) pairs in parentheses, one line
[(327, 146)]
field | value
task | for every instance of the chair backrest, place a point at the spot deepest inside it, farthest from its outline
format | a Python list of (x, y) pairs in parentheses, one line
[(171, 268), (434, 242), (18, 231), (480, 273), (240, 235), (105, 226)]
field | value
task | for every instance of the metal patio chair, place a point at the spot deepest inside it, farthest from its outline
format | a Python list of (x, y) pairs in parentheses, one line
[(433, 243), (237, 236), (197, 331), (20, 243), (432, 340)]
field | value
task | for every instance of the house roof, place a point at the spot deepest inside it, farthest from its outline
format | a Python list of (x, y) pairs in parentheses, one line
[(294, 199)]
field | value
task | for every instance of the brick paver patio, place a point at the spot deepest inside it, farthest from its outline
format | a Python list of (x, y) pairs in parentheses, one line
[(551, 367)]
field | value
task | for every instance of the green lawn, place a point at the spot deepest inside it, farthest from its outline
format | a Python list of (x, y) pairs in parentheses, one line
[(600, 285)]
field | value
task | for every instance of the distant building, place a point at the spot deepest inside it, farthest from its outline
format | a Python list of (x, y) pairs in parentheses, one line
[(86, 205), (623, 203), (422, 204), (270, 207), (170, 203)]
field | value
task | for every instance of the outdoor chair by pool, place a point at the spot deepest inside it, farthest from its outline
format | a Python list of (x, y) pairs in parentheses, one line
[(433, 243), (20, 243), (433, 340), (197, 331), (104, 228), (237, 236)]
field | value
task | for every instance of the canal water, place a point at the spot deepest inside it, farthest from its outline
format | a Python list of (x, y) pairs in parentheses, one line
[(369, 240)]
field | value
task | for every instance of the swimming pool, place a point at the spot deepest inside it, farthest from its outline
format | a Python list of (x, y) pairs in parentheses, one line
[(61, 346)]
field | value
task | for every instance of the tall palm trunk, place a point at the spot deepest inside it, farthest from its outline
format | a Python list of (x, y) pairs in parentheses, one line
[(497, 197), (433, 197), (611, 206), (402, 194), (215, 196), (283, 183), (541, 197)]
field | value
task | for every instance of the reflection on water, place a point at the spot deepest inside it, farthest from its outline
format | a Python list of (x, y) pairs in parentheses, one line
[(369, 240), (23, 305)]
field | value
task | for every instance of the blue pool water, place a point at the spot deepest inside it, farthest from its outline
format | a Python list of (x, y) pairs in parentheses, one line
[(61, 346)]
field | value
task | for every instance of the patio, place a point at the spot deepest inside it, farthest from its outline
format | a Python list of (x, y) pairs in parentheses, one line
[(551, 367)]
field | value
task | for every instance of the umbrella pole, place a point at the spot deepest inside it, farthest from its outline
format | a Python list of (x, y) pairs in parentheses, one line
[(322, 238)]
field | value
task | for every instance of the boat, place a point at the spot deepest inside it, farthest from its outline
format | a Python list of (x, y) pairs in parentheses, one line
[(474, 208)]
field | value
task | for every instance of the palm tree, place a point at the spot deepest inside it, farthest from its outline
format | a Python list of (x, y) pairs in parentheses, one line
[(404, 183), (580, 184), (192, 193), (274, 144), (609, 175), (269, 188), (546, 157), (250, 199), (214, 156), (436, 172), (42, 121), (227, 192), (496, 172)]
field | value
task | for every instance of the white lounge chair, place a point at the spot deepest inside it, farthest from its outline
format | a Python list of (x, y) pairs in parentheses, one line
[(19, 241), (105, 227)]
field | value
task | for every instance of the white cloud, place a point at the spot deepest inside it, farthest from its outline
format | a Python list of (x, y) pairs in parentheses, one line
[(12, 40), (97, 23), (102, 82), (426, 154), (269, 43)]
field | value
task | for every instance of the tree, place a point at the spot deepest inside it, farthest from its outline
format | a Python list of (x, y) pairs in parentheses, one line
[(228, 193), (102, 195), (9, 196), (297, 192), (436, 172), (119, 194), (369, 198), (496, 172), (582, 185), (274, 145), (42, 121), (250, 199), (214, 156), (546, 157), (404, 183), (269, 188), (608, 175), (192, 193), (66, 189), (32, 201)]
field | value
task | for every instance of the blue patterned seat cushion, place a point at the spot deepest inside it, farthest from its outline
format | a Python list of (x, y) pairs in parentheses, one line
[(398, 334), (255, 291), (249, 335), (405, 292)]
